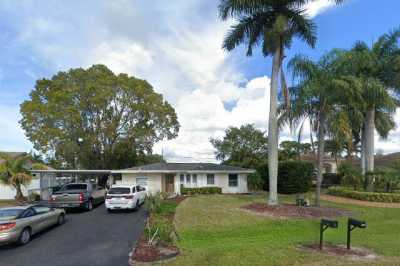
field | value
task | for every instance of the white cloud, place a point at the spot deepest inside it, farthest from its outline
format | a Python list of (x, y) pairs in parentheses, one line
[(317, 7)]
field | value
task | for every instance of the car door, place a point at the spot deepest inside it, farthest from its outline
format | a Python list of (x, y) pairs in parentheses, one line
[(29, 217), (46, 216)]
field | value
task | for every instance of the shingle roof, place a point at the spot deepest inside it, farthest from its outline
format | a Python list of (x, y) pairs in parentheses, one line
[(182, 167)]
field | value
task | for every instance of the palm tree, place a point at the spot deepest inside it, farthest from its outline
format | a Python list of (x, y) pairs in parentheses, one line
[(378, 69), (321, 96), (272, 24), (14, 172)]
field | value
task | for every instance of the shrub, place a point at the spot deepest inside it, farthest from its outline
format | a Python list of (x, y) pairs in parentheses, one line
[(200, 190), (153, 203), (331, 179), (351, 176), (255, 181), (366, 196), (295, 177)]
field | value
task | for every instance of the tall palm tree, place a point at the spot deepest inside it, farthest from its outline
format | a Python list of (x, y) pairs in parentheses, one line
[(321, 96), (14, 172), (272, 24), (378, 69)]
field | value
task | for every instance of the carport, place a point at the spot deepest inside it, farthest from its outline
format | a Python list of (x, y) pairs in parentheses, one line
[(52, 179)]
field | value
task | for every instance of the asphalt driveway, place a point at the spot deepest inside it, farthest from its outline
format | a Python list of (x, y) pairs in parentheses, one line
[(87, 238)]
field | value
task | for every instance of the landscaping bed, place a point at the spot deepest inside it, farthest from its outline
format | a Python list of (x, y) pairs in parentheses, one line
[(157, 241), (341, 250), (293, 211), (365, 196)]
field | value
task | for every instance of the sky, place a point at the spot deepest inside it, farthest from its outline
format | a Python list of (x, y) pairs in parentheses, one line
[(176, 46)]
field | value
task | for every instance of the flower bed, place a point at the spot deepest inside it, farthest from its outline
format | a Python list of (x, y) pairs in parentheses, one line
[(365, 196), (158, 238)]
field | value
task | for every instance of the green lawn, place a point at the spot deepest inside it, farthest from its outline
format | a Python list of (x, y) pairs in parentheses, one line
[(213, 230), (6, 203)]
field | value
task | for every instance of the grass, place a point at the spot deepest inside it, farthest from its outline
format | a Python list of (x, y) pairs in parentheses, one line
[(6, 203), (213, 230)]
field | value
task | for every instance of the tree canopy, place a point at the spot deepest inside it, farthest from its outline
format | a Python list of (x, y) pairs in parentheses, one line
[(245, 146), (116, 118)]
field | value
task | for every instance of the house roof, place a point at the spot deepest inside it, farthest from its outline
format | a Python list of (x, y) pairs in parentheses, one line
[(184, 167)]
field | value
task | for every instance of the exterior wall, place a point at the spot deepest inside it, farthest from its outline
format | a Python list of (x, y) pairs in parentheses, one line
[(154, 183), (8, 192)]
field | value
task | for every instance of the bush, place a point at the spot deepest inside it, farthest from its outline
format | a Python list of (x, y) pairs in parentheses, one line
[(331, 179), (351, 175), (200, 190), (153, 203), (255, 182), (295, 177), (366, 196)]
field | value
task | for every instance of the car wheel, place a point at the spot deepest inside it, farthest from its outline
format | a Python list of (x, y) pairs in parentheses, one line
[(89, 205), (109, 210), (25, 236), (61, 219), (137, 205)]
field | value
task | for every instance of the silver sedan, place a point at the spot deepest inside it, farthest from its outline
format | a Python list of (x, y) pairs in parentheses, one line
[(18, 224)]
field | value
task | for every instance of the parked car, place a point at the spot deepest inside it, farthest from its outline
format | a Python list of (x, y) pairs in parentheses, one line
[(125, 197), (78, 195), (18, 224)]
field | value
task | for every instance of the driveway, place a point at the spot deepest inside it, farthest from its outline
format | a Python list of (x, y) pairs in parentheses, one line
[(87, 238)]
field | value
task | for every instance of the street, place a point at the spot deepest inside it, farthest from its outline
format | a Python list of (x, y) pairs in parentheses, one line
[(87, 239)]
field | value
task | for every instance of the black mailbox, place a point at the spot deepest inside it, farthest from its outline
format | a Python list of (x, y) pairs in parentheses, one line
[(351, 225), (325, 224), (329, 223), (357, 223)]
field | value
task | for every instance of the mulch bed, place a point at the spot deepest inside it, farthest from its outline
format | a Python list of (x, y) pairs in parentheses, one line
[(150, 253), (293, 211), (145, 253), (341, 250)]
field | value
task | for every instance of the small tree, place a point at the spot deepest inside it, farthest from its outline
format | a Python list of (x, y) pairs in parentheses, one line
[(351, 176), (14, 172)]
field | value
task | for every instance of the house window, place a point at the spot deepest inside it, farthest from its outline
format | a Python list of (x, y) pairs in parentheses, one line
[(141, 181), (194, 179), (210, 179), (233, 180), (182, 178), (188, 178)]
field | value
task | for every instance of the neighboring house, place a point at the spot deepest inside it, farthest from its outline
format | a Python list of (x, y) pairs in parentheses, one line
[(168, 177), (329, 162), (8, 192)]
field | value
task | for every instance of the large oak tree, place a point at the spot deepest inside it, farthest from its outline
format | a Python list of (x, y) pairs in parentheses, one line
[(119, 118)]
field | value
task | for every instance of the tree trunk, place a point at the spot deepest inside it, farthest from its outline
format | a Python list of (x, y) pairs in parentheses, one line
[(273, 130), (369, 143), (363, 171), (320, 159), (19, 196)]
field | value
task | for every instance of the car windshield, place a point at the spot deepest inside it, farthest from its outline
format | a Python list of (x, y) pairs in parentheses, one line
[(119, 190), (75, 187), (10, 213)]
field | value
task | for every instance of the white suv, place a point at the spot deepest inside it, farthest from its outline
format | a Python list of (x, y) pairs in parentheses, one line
[(125, 197)]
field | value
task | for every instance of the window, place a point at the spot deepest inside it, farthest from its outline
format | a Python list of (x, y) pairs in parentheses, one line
[(141, 181), (233, 180), (210, 179), (194, 179), (75, 187), (182, 178), (28, 213), (41, 209), (188, 178), (119, 190), (10, 213)]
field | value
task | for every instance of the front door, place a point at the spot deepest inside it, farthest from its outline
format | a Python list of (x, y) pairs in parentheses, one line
[(169, 183)]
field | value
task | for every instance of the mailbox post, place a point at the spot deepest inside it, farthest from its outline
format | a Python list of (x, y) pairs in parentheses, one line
[(351, 225), (325, 224)]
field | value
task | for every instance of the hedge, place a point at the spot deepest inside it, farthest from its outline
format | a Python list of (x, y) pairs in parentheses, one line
[(366, 196), (331, 179), (200, 190)]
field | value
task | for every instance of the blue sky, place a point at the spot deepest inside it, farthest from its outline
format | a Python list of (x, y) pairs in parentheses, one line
[(176, 47)]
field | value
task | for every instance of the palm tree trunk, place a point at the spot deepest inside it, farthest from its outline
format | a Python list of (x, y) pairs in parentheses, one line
[(320, 159), (273, 129), (369, 143), (363, 171), (19, 196)]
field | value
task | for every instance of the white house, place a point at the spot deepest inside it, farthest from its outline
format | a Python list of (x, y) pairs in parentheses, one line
[(168, 177)]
